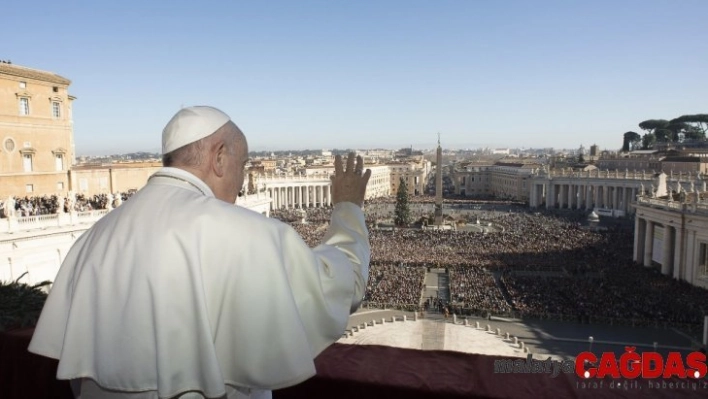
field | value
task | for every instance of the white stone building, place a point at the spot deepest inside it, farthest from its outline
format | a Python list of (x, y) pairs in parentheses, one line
[(672, 233), (314, 188)]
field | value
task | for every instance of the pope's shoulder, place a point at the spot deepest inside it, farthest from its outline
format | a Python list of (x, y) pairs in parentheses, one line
[(246, 218)]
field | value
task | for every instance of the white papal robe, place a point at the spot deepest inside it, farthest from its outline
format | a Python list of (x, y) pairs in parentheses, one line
[(176, 291)]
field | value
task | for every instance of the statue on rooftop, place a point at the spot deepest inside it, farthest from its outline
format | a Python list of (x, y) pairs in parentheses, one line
[(10, 207), (109, 201), (60, 203)]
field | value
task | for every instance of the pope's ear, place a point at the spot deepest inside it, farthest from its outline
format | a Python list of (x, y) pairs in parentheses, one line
[(218, 159)]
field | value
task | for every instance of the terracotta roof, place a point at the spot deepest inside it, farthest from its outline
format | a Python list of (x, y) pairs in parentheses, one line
[(29, 73)]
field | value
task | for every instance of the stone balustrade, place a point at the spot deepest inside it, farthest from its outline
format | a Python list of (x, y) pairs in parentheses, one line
[(15, 224)]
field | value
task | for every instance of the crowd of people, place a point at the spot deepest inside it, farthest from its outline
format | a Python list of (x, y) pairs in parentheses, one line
[(475, 289), (52, 204), (538, 265), (395, 284)]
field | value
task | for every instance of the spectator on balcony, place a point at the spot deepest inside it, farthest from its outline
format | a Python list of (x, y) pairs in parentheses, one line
[(178, 293)]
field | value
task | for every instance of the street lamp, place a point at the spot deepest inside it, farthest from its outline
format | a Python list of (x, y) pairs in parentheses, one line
[(590, 340)]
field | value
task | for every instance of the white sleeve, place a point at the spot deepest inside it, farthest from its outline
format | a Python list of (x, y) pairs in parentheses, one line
[(347, 233), (329, 281)]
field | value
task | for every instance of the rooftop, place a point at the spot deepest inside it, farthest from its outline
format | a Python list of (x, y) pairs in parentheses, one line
[(29, 73)]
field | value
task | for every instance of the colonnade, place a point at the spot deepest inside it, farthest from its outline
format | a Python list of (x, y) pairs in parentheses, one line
[(584, 195), (657, 242), (298, 194)]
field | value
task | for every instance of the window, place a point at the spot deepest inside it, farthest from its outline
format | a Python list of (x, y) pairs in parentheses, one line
[(29, 188), (59, 162), (27, 162), (55, 89), (56, 109), (24, 106), (60, 186), (23, 85), (83, 184)]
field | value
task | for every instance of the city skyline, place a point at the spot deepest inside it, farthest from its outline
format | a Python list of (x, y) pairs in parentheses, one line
[(365, 75)]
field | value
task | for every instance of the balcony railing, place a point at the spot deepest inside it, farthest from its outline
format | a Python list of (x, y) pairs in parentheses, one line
[(41, 222), (689, 207)]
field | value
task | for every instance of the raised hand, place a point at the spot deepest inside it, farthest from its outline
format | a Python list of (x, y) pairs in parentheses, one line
[(349, 185)]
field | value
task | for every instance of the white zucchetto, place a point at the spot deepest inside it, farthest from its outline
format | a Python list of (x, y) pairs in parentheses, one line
[(191, 124)]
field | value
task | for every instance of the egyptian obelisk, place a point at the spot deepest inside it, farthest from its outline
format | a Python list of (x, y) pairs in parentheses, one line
[(438, 187)]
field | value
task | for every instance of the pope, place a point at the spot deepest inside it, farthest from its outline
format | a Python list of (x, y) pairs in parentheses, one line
[(178, 293)]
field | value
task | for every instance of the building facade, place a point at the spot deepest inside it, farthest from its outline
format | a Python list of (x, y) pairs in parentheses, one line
[(672, 234), (609, 193), (314, 188), (503, 179), (36, 132), (415, 172)]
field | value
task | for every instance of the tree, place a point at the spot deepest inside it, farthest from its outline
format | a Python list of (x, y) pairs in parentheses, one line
[(664, 135), (697, 125), (648, 141), (402, 212), (655, 127), (631, 139)]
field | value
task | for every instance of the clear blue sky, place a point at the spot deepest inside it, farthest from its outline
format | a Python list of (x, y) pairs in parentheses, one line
[(335, 74)]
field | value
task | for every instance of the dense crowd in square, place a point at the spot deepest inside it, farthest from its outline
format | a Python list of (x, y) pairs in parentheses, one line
[(541, 265)]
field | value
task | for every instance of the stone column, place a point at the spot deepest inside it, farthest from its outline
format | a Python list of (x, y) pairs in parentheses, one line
[(588, 196), (596, 196), (615, 203), (678, 243), (648, 243), (570, 196), (640, 226), (667, 245), (561, 195), (690, 262), (550, 193)]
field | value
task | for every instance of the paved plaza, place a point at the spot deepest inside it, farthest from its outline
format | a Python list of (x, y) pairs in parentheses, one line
[(559, 340)]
